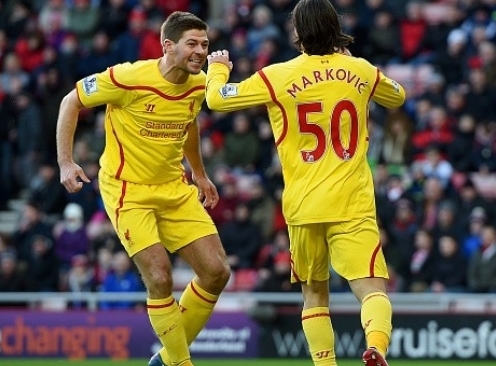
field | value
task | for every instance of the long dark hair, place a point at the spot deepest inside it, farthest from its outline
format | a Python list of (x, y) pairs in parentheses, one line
[(179, 22), (318, 29)]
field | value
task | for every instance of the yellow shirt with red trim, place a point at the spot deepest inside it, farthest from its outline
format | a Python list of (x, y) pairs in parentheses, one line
[(318, 108), (146, 119)]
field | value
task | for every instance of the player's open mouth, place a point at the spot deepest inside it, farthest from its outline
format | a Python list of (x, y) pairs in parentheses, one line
[(196, 61)]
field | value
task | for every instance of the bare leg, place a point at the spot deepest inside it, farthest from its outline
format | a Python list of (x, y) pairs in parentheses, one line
[(165, 317)]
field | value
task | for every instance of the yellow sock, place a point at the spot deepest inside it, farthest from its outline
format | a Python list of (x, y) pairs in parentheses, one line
[(376, 316), (318, 331), (196, 306), (165, 319)]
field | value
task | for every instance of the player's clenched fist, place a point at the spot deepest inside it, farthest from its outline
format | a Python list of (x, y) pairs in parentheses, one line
[(221, 57)]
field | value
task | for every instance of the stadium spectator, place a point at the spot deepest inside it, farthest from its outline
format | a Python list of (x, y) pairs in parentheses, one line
[(422, 262), (99, 56), (484, 149), (383, 39), (31, 224), (113, 18), (228, 200), (480, 96), (53, 19), (262, 208), (50, 89), (127, 44), (397, 265), (427, 208), (241, 145), (29, 48), (403, 228), (396, 148), (28, 138), (70, 235), (13, 78), (481, 276), (42, 268), (472, 241), (274, 264), (260, 29), (46, 192), (462, 143), (241, 238), (7, 133), (451, 58), (12, 277), (121, 278), (412, 30), (436, 133), (447, 224), (81, 275), (15, 18), (150, 46), (151, 10), (450, 269), (102, 266), (82, 20)]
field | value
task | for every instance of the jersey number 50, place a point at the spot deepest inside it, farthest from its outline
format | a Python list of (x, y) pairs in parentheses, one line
[(335, 130)]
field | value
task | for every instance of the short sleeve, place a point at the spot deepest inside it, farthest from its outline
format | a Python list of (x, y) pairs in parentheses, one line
[(105, 88)]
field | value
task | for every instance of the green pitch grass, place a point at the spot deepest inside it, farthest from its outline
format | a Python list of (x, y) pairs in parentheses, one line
[(247, 362)]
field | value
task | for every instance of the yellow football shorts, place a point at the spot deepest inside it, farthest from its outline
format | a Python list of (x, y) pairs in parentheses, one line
[(143, 215), (352, 248)]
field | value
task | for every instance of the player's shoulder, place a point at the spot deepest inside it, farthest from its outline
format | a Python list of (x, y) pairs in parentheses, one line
[(360, 63), (282, 68), (132, 73), (198, 79)]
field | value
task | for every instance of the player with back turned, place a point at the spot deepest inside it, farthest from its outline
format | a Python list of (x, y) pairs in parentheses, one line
[(150, 126), (318, 105)]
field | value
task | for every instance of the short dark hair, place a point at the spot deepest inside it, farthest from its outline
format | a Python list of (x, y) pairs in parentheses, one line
[(179, 22), (318, 28)]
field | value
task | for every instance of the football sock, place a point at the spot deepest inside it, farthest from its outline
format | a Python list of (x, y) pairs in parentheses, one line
[(196, 306), (318, 331), (165, 318), (376, 316)]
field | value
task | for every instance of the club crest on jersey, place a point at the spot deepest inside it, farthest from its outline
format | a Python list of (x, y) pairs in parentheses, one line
[(89, 84), (228, 90)]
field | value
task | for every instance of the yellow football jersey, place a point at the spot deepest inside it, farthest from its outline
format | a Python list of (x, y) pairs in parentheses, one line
[(318, 107), (146, 119)]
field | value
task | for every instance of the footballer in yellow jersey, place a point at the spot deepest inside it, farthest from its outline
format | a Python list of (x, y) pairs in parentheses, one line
[(318, 105), (147, 119), (150, 127), (318, 108)]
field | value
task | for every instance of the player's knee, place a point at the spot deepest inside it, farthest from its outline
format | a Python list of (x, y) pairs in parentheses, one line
[(159, 284), (218, 275), (223, 273)]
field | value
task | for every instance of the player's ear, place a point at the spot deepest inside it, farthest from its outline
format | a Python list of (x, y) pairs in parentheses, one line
[(167, 46)]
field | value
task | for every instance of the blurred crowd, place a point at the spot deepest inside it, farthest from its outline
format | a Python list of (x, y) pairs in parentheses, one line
[(434, 160)]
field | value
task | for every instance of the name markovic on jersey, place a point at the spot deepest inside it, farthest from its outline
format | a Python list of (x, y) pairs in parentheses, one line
[(319, 76)]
